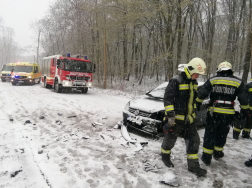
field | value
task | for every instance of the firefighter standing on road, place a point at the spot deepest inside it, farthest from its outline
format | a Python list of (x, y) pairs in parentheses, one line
[(223, 89), (245, 123), (179, 102)]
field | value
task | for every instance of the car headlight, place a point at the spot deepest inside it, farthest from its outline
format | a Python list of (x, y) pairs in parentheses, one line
[(29, 76), (127, 106), (13, 76), (89, 84)]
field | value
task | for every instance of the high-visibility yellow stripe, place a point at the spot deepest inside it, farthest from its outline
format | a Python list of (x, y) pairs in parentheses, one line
[(247, 130), (227, 81), (208, 151), (236, 129), (165, 151), (183, 86), (222, 110), (192, 156), (190, 118), (245, 106), (169, 108), (250, 89), (180, 117), (199, 100), (190, 104), (195, 87), (217, 148), (187, 73)]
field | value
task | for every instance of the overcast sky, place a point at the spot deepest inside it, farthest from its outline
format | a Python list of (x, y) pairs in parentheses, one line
[(19, 14)]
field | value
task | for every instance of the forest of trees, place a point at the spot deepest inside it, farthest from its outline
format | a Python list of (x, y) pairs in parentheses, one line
[(9, 50), (133, 39)]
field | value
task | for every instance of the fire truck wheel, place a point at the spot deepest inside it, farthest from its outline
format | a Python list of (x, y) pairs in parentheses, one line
[(84, 90), (57, 87), (39, 80)]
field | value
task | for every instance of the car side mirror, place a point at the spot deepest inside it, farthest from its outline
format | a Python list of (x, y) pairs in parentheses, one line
[(58, 62)]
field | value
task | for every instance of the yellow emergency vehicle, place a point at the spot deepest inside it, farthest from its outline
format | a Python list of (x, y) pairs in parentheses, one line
[(27, 73), (6, 72)]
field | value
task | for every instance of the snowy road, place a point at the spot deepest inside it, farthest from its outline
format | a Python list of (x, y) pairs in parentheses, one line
[(65, 150)]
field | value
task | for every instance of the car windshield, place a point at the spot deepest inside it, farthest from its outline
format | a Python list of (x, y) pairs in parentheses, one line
[(159, 91), (23, 69), (78, 66), (8, 68)]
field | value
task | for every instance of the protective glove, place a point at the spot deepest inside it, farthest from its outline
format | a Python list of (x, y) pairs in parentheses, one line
[(198, 104), (171, 118)]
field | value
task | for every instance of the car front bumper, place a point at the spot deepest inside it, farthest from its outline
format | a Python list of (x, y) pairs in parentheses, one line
[(144, 125)]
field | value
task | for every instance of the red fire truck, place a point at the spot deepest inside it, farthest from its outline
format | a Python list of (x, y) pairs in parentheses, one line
[(65, 73)]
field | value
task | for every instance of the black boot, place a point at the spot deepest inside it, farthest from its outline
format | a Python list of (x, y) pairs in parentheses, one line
[(248, 163), (167, 160), (236, 134), (194, 167), (218, 154), (245, 134), (206, 158)]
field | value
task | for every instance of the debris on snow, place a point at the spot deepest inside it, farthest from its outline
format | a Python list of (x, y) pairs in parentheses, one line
[(126, 135), (41, 117), (27, 122), (169, 178), (144, 143), (85, 137), (15, 173), (40, 151), (138, 147), (96, 123), (71, 116), (59, 114), (58, 122)]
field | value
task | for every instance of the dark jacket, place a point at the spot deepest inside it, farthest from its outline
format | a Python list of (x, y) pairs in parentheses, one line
[(249, 89), (180, 96), (223, 89)]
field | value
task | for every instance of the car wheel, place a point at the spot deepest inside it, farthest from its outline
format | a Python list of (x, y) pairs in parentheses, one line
[(57, 87), (84, 90), (3, 80), (45, 84)]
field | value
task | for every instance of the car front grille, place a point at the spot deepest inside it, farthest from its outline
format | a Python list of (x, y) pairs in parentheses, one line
[(79, 78), (139, 112)]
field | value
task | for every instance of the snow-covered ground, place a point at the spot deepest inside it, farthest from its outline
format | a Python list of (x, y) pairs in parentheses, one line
[(63, 146)]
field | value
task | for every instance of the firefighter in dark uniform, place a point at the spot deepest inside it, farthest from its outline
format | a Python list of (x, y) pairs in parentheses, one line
[(223, 89), (179, 102), (245, 123)]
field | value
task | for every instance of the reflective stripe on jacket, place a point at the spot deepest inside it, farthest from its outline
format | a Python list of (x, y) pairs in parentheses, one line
[(180, 96), (224, 87)]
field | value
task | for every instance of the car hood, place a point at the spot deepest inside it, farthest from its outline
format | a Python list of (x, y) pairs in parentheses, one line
[(147, 104)]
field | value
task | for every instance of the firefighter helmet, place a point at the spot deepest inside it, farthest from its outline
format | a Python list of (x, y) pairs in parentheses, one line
[(196, 65), (181, 67), (224, 66)]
